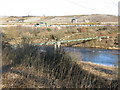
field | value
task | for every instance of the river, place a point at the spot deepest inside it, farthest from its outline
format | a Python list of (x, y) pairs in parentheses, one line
[(95, 55), (98, 56)]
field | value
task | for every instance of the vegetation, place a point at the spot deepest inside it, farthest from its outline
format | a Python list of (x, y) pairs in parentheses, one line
[(28, 66), (56, 66), (49, 29), (39, 35)]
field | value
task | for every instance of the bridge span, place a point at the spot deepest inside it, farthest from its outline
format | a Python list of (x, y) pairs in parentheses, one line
[(58, 43)]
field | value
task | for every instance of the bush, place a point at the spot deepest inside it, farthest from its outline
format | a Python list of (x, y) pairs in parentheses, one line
[(49, 29)]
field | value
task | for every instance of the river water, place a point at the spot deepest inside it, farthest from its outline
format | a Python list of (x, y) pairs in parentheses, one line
[(94, 55)]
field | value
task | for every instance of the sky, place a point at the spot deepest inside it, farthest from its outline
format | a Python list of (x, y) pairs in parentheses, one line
[(57, 7)]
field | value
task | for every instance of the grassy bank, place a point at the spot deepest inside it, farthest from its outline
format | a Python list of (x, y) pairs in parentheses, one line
[(30, 67), (15, 35)]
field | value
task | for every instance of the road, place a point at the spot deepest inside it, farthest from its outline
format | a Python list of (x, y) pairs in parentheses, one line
[(57, 25)]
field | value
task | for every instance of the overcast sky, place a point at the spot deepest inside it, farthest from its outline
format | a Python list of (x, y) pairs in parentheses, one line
[(57, 7)]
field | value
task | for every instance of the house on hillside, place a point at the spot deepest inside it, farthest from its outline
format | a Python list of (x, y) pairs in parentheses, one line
[(74, 20), (42, 24), (86, 21), (19, 20)]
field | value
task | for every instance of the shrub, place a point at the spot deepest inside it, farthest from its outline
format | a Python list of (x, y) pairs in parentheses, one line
[(49, 29)]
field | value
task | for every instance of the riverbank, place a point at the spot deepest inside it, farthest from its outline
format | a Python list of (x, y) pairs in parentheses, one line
[(16, 35), (108, 72), (24, 77), (99, 47)]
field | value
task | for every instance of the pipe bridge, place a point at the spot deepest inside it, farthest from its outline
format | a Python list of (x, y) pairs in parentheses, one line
[(58, 43)]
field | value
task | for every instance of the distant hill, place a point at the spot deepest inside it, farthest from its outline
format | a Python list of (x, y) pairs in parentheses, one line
[(86, 18), (60, 19)]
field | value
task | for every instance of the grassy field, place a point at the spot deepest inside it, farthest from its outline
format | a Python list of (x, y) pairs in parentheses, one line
[(26, 66)]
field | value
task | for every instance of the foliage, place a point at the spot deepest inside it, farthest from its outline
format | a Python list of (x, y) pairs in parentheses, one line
[(49, 29)]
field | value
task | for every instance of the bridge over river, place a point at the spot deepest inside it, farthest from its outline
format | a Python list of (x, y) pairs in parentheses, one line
[(98, 56), (58, 43)]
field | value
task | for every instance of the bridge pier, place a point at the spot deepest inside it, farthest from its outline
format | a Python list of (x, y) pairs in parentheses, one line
[(108, 37), (100, 39), (57, 45)]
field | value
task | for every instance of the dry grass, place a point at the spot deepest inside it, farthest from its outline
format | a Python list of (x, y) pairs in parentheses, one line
[(100, 70), (47, 69)]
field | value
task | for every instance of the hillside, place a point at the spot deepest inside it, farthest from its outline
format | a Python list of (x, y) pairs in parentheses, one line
[(59, 19)]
